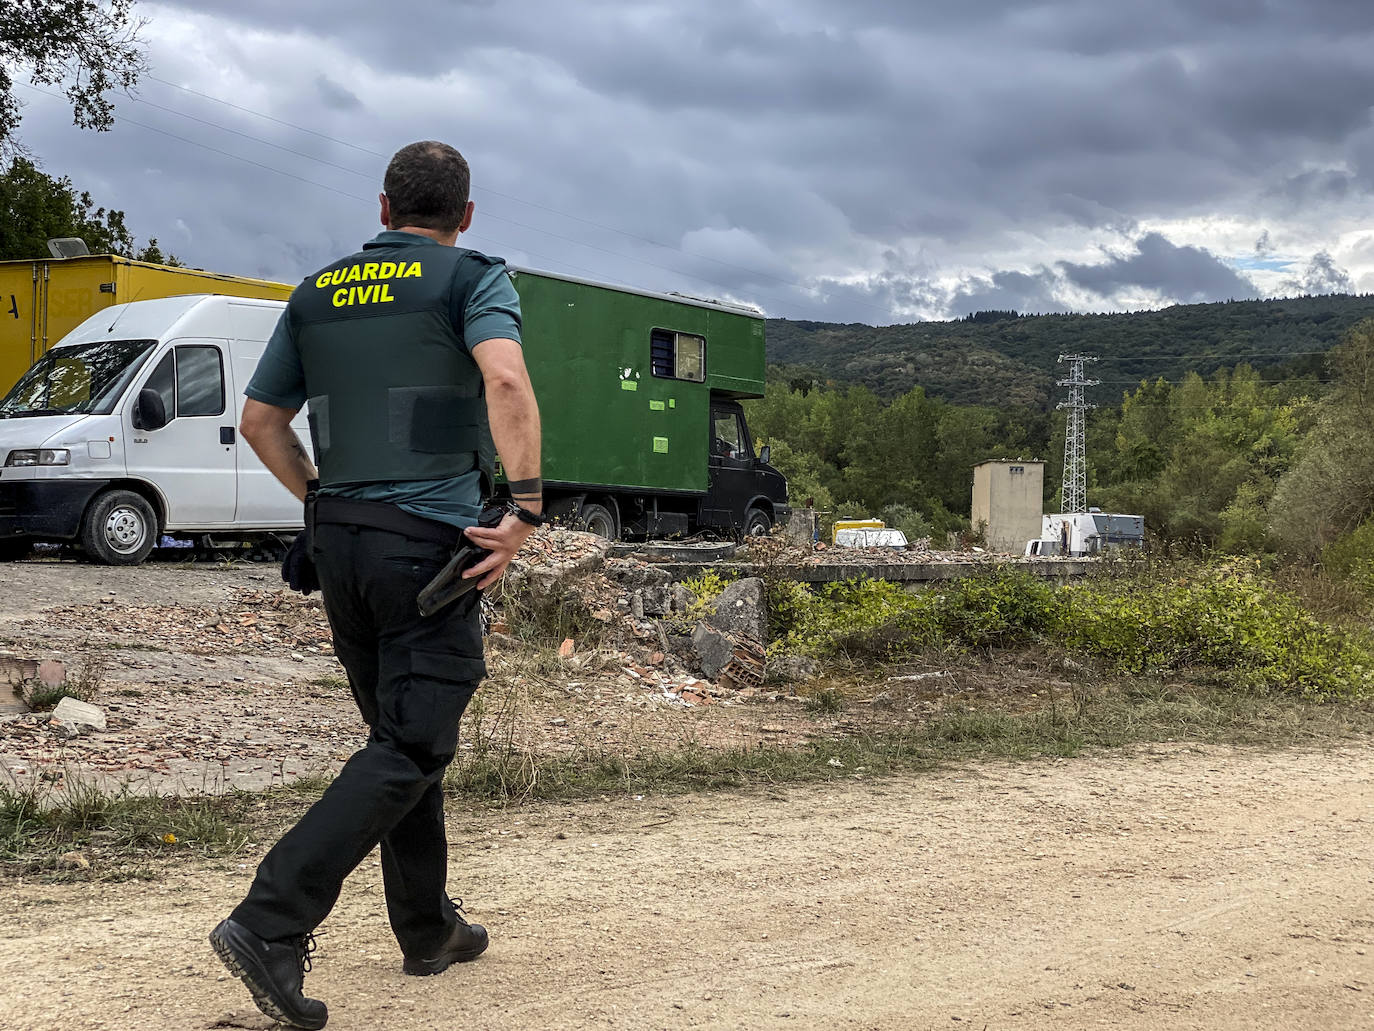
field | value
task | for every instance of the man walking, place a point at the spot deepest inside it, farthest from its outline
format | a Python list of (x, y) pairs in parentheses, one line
[(403, 350)]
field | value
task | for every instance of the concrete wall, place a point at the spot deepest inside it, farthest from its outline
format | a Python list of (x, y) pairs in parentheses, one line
[(1008, 499)]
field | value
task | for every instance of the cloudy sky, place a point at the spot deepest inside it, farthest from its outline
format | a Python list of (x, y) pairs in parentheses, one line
[(871, 161)]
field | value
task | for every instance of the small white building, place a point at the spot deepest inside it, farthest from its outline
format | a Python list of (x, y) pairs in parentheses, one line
[(1008, 501)]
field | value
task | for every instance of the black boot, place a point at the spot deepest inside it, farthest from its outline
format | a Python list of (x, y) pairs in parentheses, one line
[(467, 942), (274, 972)]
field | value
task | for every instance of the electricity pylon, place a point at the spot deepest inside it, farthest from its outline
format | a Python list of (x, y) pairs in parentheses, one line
[(1074, 493)]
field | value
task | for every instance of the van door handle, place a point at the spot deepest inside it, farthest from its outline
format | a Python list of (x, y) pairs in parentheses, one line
[(226, 434)]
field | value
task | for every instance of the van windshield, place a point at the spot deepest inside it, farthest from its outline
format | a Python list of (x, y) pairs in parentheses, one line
[(82, 379)]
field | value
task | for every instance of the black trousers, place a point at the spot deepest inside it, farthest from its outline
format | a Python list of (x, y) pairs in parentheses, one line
[(412, 679)]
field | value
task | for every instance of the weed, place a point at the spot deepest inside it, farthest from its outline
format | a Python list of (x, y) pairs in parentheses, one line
[(827, 700), (84, 683)]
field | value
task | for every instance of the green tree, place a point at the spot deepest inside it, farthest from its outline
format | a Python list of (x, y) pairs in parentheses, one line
[(1329, 491), (36, 207), (90, 46)]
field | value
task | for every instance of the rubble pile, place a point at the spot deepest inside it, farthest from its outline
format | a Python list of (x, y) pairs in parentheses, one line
[(261, 622)]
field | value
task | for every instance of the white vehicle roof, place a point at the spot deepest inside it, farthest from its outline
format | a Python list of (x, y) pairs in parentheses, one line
[(192, 315)]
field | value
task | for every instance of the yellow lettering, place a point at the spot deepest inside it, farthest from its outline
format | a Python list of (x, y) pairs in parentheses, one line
[(355, 274), (370, 270), (323, 281), (413, 270), (385, 295), (337, 276), (387, 270), (365, 293), (340, 298)]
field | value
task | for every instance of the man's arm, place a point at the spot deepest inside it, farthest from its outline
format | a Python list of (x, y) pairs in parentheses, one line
[(267, 428), (514, 416)]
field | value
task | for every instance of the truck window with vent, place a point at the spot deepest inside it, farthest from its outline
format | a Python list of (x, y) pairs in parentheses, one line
[(675, 355)]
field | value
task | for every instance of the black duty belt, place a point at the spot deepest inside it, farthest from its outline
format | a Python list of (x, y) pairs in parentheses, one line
[(379, 515)]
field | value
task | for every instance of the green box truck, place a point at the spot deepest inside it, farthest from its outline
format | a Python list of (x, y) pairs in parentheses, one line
[(639, 393)]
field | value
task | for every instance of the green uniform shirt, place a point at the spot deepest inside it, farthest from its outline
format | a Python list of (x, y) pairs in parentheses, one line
[(493, 312)]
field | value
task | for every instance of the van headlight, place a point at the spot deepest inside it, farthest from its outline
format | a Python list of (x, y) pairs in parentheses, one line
[(40, 456)]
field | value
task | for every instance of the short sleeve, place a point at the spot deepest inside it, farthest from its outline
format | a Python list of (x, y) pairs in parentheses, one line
[(493, 310), (279, 379)]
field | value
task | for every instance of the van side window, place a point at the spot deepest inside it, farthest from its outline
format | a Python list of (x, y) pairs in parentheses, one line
[(200, 381), (162, 381), (677, 355)]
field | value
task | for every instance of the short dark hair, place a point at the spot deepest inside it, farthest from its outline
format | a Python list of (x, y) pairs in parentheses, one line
[(427, 186)]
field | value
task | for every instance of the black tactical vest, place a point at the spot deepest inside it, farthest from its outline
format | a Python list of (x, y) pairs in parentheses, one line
[(393, 392)]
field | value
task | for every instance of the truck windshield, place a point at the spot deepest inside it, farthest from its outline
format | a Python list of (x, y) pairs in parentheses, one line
[(82, 379)]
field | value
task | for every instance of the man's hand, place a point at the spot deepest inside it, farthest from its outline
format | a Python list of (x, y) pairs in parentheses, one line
[(503, 542)]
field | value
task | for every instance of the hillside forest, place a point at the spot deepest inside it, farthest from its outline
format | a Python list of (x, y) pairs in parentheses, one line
[(1272, 453)]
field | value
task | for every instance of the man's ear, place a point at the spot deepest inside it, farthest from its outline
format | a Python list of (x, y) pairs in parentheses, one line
[(386, 210), (467, 218)]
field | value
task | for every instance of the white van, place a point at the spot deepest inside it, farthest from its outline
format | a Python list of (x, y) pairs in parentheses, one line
[(127, 429)]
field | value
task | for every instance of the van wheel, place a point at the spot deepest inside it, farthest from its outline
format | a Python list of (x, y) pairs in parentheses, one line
[(15, 548), (598, 519), (120, 529), (757, 523)]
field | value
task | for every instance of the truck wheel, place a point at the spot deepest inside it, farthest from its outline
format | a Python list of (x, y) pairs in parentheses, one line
[(120, 529), (757, 523), (598, 519)]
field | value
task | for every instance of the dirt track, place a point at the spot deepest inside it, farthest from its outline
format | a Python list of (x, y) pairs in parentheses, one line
[(1188, 889)]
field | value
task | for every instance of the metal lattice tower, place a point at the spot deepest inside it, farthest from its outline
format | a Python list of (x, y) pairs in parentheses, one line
[(1074, 493)]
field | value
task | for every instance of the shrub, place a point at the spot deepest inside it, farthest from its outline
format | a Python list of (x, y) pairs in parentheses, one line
[(1225, 619)]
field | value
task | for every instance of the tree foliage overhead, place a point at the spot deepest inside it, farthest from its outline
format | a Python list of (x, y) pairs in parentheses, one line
[(1005, 358), (90, 47), (36, 207)]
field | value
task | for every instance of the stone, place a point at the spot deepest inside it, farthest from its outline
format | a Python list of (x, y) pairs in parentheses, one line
[(72, 717), (741, 609), (637, 605), (683, 599), (657, 601), (713, 650), (789, 668), (801, 527), (638, 576)]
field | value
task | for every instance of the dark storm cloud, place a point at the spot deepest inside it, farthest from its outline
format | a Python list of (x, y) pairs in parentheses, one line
[(1189, 274), (780, 151), (335, 96), (1028, 293)]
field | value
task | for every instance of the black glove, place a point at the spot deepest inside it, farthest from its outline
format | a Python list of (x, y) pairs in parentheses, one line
[(298, 568)]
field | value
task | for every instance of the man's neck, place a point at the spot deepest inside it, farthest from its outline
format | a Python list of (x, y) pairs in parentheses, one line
[(447, 239)]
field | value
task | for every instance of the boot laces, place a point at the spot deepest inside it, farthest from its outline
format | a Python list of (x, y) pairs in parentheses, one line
[(458, 911), (304, 947)]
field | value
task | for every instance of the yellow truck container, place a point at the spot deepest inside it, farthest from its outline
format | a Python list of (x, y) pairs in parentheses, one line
[(42, 300), (855, 524)]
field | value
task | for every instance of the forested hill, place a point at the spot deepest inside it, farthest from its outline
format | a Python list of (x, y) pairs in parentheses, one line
[(1000, 358)]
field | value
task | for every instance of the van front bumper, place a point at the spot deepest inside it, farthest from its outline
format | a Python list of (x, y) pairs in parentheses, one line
[(45, 509)]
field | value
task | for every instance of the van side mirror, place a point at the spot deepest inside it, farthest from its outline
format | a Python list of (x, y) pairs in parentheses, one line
[(766, 454), (149, 411)]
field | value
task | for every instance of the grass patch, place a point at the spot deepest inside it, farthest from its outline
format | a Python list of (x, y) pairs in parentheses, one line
[(113, 831), (1132, 712)]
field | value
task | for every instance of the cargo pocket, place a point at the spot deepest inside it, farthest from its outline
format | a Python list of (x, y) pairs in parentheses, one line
[(429, 701)]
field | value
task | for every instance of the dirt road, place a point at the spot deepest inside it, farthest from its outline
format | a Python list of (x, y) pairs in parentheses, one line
[(1208, 888)]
